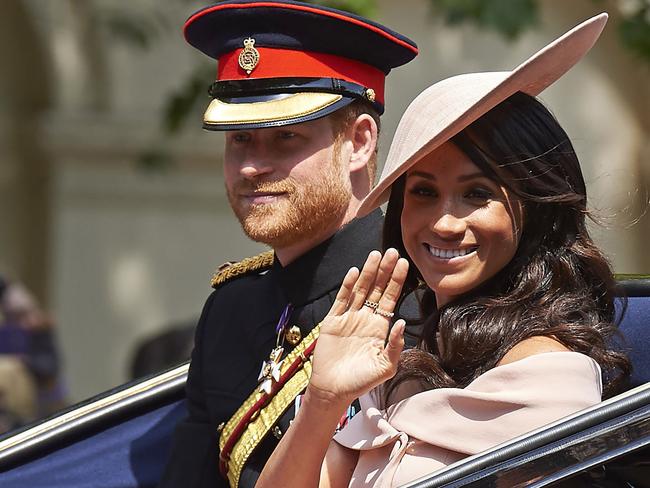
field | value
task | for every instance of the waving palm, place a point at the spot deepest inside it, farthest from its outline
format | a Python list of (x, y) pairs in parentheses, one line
[(352, 355)]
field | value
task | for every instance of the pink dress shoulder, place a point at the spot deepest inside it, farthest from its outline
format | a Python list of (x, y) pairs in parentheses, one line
[(432, 429)]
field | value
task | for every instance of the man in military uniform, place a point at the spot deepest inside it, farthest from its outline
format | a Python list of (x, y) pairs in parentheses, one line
[(299, 92)]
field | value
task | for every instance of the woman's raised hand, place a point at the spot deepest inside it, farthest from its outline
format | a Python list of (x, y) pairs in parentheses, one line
[(352, 355)]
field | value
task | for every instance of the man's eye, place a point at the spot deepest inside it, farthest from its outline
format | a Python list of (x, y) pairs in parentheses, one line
[(285, 134), (240, 137)]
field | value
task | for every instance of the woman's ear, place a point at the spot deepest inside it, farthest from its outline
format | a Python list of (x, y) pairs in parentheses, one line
[(363, 136)]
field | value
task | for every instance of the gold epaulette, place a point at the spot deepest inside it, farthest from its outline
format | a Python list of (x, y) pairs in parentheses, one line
[(228, 271)]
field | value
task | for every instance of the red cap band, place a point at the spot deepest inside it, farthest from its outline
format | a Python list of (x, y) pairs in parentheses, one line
[(285, 63)]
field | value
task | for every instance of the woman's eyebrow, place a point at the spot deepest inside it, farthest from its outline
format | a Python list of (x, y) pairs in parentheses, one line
[(471, 176), (461, 178), (421, 174)]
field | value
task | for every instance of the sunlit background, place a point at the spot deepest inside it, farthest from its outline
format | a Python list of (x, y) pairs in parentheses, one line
[(112, 207)]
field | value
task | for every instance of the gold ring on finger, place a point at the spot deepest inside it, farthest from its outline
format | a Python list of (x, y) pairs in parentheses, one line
[(384, 313), (373, 305)]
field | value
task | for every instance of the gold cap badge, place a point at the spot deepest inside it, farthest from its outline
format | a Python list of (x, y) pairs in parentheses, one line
[(249, 57), (370, 94)]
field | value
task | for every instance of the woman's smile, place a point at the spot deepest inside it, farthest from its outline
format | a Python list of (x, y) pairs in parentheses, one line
[(449, 254)]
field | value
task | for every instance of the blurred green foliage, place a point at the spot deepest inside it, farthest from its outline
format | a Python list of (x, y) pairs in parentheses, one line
[(137, 27), (635, 30), (511, 18), (508, 17), (182, 101), (365, 8)]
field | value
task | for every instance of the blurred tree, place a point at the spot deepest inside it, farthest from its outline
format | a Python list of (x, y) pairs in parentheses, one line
[(513, 17), (508, 17), (635, 30)]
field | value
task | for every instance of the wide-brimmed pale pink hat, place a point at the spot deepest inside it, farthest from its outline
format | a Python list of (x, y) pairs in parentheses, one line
[(447, 107)]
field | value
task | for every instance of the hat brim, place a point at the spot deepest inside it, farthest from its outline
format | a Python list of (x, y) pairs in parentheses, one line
[(271, 111), (449, 106)]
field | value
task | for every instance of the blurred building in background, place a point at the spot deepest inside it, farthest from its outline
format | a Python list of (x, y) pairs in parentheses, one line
[(117, 224)]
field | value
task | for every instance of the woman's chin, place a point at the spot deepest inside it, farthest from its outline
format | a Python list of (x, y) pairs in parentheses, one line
[(447, 287)]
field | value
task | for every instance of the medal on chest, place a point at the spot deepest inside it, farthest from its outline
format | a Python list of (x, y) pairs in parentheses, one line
[(270, 371)]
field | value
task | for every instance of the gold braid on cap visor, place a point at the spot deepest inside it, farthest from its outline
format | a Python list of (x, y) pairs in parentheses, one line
[(290, 107)]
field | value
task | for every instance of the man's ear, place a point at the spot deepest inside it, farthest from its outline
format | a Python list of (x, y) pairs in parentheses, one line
[(363, 136)]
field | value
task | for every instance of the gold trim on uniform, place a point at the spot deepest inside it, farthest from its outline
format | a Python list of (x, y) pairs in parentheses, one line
[(289, 107), (227, 271), (293, 335), (267, 416)]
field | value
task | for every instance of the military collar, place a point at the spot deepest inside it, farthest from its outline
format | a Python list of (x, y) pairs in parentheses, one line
[(321, 269)]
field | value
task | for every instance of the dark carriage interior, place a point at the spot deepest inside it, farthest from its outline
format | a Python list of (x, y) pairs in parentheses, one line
[(126, 444)]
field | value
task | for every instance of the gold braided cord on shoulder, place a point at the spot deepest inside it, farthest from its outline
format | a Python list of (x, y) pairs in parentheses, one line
[(246, 266), (268, 415)]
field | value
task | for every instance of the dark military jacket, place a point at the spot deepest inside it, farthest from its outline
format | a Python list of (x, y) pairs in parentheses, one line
[(236, 333)]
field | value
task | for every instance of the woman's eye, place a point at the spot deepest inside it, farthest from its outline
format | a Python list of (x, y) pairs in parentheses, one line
[(481, 194), (423, 191)]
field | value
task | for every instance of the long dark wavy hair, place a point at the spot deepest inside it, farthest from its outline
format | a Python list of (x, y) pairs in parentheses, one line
[(558, 284)]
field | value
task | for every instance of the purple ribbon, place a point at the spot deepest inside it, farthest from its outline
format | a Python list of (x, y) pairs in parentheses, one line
[(284, 318)]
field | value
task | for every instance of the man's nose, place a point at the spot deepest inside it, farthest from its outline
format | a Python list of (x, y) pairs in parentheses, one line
[(257, 162), (254, 169)]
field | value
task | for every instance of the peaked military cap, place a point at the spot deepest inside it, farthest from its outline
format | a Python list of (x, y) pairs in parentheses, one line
[(282, 62)]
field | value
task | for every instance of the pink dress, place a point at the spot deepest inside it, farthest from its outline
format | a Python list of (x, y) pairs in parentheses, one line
[(429, 430)]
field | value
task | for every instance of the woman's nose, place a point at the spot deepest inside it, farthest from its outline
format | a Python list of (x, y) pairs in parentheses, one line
[(448, 226)]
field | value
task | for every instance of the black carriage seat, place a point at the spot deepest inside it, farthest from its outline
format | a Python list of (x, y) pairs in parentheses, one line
[(635, 325)]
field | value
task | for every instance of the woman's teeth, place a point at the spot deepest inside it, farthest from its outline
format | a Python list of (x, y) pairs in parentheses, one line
[(450, 253)]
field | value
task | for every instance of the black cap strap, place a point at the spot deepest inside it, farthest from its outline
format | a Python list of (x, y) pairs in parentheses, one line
[(270, 86)]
